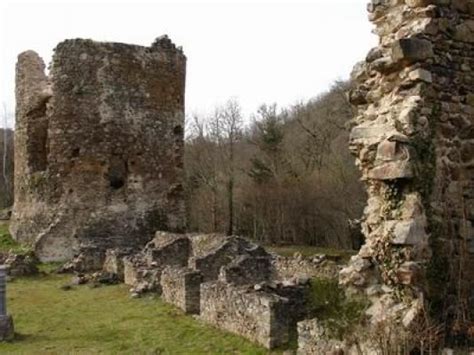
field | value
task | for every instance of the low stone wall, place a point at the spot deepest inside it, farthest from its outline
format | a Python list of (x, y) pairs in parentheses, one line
[(90, 258), (224, 252), (181, 287), (114, 263), (313, 340), (229, 281), (170, 251), (20, 264), (316, 266), (257, 315), (143, 270), (245, 270)]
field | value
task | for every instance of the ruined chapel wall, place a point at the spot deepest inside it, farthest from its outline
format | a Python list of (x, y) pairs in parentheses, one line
[(111, 172), (413, 140)]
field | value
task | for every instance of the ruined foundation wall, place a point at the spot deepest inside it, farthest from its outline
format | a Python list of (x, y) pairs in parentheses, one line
[(99, 146), (259, 316), (414, 143)]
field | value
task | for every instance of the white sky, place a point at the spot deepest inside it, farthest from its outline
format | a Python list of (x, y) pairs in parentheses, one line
[(255, 51)]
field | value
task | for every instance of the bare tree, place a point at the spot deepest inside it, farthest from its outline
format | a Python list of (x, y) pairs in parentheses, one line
[(232, 125), (287, 178), (7, 162), (5, 147)]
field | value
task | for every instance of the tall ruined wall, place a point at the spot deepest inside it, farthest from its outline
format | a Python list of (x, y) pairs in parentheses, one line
[(99, 146), (414, 143)]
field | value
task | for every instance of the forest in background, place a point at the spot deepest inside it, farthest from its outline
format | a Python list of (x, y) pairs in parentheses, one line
[(6, 168), (283, 177)]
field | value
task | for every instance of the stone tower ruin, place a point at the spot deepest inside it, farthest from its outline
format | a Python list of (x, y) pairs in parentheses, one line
[(414, 143), (98, 146)]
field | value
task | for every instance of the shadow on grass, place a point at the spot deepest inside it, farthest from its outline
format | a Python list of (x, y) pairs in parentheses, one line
[(22, 338)]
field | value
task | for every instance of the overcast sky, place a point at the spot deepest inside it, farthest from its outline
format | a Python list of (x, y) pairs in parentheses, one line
[(255, 51)]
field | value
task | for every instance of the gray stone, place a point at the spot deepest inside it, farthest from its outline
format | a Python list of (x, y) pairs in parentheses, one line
[(99, 154), (378, 132), (392, 171), (6, 321), (113, 263), (410, 50), (465, 31), (421, 75), (7, 331), (258, 315), (410, 232), (313, 338), (181, 287)]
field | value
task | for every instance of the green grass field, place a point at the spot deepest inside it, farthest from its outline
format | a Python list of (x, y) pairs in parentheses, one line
[(84, 320)]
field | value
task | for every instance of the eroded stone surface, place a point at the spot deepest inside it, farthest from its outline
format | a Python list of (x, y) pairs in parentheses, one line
[(412, 140), (260, 316), (99, 146), (182, 288), (229, 282)]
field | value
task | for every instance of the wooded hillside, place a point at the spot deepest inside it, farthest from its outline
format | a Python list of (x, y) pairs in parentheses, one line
[(287, 178), (6, 168)]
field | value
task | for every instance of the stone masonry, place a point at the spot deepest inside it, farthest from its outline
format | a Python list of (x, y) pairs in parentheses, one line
[(414, 143), (225, 281), (98, 147)]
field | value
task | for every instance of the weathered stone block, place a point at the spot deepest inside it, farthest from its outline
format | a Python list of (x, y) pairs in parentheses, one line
[(224, 253), (465, 31), (314, 339), (181, 287), (7, 331), (421, 75), (284, 268), (99, 146), (174, 251), (410, 50), (411, 232), (114, 264), (259, 316), (246, 270), (392, 171), (373, 132), (89, 258), (131, 271), (418, 3), (24, 264), (387, 150), (408, 273)]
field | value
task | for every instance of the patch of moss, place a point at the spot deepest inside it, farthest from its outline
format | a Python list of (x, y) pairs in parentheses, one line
[(49, 268), (337, 312), (7, 243)]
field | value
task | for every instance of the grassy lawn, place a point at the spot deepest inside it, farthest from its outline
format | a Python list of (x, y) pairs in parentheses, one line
[(86, 320)]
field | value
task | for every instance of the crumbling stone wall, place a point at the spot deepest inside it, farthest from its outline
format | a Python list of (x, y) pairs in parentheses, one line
[(260, 316), (227, 281), (182, 287), (98, 146), (414, 143)]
